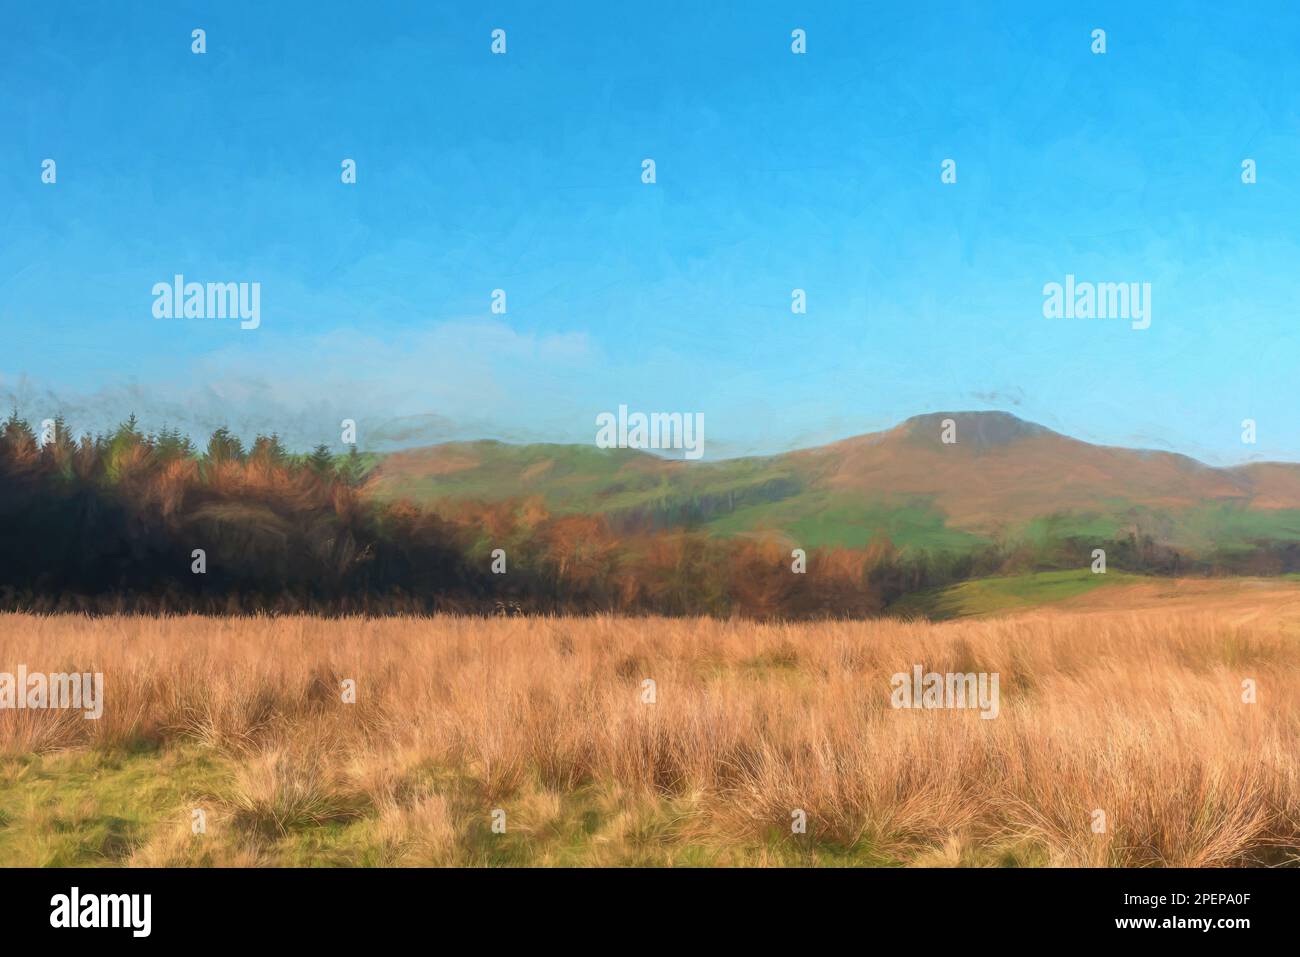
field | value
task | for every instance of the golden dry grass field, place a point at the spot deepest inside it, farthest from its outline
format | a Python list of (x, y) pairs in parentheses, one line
[(1126, 700)]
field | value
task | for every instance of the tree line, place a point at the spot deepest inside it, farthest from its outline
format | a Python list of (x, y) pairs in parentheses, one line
[(131, 521)]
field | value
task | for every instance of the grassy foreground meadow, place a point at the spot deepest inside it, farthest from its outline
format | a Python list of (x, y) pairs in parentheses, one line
[(1126, 700)]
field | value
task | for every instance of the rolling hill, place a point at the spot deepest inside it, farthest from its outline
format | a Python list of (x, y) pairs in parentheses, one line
[(1003, 480)]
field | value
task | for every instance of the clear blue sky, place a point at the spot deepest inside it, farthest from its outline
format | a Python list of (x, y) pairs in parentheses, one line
[(775, 171)]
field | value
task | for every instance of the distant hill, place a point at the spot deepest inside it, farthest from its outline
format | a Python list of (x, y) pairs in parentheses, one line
[(1003, 480)]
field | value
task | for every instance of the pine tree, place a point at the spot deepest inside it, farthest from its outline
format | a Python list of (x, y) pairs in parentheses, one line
[(268, 450), (17, 436), (321, 461), (16, 428), (351, 469), (173, 444), (225, 447)]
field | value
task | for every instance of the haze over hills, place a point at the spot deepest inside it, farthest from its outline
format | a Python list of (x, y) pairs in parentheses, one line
[(1003, 479)]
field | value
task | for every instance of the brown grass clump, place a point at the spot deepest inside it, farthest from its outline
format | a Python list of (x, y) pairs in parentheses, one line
[(1136, 714)]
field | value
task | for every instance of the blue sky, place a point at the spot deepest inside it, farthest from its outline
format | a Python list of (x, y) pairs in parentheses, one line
[(775, 172)]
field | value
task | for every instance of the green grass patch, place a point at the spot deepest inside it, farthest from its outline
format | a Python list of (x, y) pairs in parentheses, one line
[(984, 596), (94, 809), (91, 809)]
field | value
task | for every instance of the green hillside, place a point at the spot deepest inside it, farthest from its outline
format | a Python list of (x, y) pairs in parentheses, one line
[(1011, 483)]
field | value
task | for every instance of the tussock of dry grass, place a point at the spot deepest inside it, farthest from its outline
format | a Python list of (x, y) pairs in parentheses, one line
[(1138, 714)]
